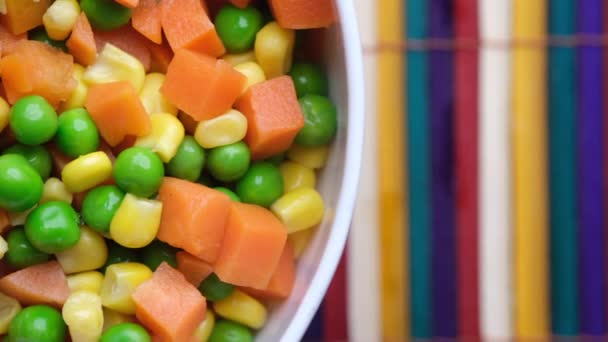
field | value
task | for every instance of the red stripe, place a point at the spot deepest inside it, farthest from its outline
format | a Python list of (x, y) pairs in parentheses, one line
[(466, 127), (335, 307)]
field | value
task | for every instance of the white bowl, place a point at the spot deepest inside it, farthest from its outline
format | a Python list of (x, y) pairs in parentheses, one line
[(337, 184)]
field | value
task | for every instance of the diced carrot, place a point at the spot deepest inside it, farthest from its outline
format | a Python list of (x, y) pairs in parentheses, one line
[(39, 284), (253, 243), (169, 305), (282, 280), (202, 86), (126, 39), (23, 16), (193, 217), (199, 35), (304, 14), (273, 114), (36, 68), (8, 39), (5, 222), (129, 3), (146, 20), (240, 3), (194, 269), (117, 111), (161, 55), (81, 43)]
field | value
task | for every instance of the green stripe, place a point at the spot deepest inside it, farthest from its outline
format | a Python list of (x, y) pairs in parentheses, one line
[(419, 173), (562, 171)]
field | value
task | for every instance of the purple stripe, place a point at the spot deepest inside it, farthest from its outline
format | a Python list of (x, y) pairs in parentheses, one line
[(592, 278), (441, 98)]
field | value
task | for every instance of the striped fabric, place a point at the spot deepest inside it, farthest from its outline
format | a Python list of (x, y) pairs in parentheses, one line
[(484, 214)]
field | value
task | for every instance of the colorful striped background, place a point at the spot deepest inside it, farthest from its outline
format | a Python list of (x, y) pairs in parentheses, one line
[(481, 211)]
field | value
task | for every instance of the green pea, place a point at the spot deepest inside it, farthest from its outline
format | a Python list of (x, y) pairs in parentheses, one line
[(21, 253), (237, 27), (309, 79), (33, 120), (20, 185), (76, 133), (229, 331), (321, 121), (189, 160), (228, 192), (126, 332), (118, 254), (37, 156), (53, 227), (155, 253), (214, 289), (37, 323), (100, 205), (261, 185), (39, 34), (229, 162), (106, 14), (139, 171)]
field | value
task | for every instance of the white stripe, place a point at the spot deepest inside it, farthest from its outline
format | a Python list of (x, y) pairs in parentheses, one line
[(495, 179), (363, 276)]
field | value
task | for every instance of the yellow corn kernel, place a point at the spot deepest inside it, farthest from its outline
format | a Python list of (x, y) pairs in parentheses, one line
[(241, 308), (253, 72), (3, 9), (274, 49), (79, 94), (55, 190), (299, 240), (136, 221), (112, 318), (238, 58), (165, 136), (89, 253), (4, 113), (151, 97), (9, 308), (18, 218), (89, 281), (3, 247), (311, 157), (113, 64), (296, 175), (225, 129), (87, 171), (83, 315), (203, 331), (120, 282), (299, 209), (60, 18)]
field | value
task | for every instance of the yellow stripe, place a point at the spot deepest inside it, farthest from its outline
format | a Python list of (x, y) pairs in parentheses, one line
[(529, 172), (391, 206)]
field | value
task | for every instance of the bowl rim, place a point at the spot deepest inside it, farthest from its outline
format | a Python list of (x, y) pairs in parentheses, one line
[(346, 201)]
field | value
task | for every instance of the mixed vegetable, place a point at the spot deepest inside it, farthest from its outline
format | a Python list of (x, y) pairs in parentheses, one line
[(158, 164)]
